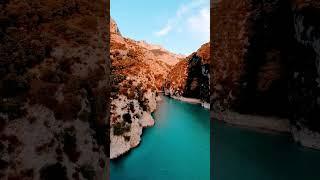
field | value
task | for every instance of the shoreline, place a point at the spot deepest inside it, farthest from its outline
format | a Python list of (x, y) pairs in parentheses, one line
[(148, 118), (270, 125), (254, 122), (118, 144), (191, 101)]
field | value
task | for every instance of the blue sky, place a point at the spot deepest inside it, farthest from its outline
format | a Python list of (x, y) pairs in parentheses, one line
[(181, 26)]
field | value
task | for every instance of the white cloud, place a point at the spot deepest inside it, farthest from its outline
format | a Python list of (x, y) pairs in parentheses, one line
[(183, 9), (199, 24), (180, 15), (164, 31)]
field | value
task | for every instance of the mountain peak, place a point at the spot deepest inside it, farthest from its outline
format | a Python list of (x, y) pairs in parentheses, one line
[(114, 28), (157, 51)]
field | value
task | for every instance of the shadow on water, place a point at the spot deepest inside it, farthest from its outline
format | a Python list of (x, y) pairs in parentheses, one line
[(249, 155)]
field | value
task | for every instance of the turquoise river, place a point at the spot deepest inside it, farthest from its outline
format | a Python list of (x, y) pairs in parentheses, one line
[(242, 154), (176, 147)]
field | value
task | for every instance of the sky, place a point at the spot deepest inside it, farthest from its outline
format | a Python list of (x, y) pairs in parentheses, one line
[(180, 26)]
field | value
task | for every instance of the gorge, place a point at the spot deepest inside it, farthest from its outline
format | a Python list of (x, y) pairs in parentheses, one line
[(139, 72), (179, 141)]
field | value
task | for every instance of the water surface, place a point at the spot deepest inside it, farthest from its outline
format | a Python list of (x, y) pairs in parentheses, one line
[(242, 154), (176, 148)]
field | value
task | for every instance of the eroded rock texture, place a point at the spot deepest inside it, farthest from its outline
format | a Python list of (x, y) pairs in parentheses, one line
[(138, 73), (53, 89), (266, 61), (190, 77)]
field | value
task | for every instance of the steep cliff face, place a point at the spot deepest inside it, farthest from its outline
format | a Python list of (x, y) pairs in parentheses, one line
[(266, 62), (137, 75), (250, 49), (304, 74), (53, 89), (229, 44), (190, 77)]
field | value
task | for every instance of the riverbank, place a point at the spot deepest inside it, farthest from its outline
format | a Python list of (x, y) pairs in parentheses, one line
[(192, 101), (259, 123), (166, 150), (131, 123), (270, 125)]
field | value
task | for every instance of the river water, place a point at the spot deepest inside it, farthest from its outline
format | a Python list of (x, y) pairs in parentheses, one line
[(176, 148), (242, 154)]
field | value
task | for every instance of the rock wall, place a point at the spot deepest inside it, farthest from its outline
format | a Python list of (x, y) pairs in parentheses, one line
[(190, 77), (230, 35), (138, 73), (53, 89), (266, 61), (304, 74)]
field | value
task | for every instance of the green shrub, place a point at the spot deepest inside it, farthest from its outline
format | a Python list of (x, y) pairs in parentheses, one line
[(126, 138), (117, 78), (120, 128), (127, 118)]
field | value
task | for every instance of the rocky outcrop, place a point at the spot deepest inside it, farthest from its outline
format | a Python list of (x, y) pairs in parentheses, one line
[(114, 29), (266, 62), (137, 76), (53, 89), (190, 77)]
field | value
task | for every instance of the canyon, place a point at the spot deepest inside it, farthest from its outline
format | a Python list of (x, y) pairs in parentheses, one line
[(139, 73), (189, 79)]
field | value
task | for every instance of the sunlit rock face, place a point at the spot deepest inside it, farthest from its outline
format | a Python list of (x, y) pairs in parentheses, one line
[(266, 61), (190, 77), (138, 73)]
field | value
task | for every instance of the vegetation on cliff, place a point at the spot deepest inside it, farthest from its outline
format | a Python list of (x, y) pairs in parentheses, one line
[(137, 74), (53, 88), (190, 77)]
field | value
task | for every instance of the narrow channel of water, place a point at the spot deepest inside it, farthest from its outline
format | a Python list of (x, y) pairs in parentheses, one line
[(177, 147)]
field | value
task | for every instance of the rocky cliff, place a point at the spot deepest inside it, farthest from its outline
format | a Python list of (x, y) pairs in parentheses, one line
[(138, 73), (266, 63), (190, 77), (53, 89)]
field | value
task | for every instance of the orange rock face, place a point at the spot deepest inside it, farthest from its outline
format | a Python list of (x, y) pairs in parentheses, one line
[(189, 76), (138, 73), (147, 63)]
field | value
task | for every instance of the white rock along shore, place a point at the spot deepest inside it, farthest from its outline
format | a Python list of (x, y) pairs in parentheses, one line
[(192, 101), (120, 144)]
